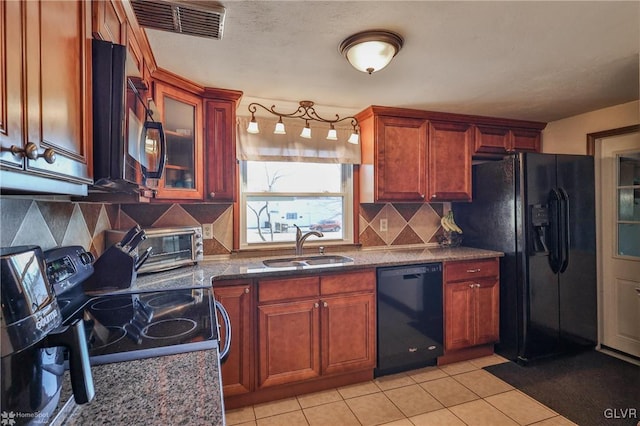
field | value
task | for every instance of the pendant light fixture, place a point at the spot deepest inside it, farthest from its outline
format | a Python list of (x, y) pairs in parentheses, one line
[(307, 113), (370, 51)]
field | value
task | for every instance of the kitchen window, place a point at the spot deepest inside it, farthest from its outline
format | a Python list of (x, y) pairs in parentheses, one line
[(276, 195)]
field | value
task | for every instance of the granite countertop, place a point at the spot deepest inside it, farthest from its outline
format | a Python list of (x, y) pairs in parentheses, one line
[(243, 267), (182, 389)]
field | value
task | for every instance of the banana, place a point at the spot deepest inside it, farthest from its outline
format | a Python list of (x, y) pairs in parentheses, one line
[(452, 223), (445, 225)]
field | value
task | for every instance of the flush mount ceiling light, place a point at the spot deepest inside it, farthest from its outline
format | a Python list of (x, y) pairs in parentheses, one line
[(370, 51), (304, 112)]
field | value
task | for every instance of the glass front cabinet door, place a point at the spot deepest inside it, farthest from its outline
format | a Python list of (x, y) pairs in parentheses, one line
[(181, 112)]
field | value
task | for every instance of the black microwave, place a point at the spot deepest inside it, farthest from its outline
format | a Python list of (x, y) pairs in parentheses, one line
[(128, 145)]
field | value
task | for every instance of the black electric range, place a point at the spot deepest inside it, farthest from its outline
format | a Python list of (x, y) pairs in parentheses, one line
[(125, 326)]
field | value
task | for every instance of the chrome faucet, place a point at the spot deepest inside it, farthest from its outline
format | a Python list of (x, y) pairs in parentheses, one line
[(300, 239)]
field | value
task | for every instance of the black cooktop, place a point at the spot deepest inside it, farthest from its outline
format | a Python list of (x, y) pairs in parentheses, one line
[(127, 326)]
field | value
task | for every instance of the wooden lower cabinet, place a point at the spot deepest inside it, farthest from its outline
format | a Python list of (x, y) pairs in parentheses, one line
[(348, 333), (471, 308), (471, 313), (289, 348), (237, 370), (324, 329)]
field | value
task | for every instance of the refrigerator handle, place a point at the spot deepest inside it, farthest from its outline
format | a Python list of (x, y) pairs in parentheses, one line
[(555, 251), (564, 228)]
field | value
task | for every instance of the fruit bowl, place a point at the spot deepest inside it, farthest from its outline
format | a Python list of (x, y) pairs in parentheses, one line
[(450, 239)]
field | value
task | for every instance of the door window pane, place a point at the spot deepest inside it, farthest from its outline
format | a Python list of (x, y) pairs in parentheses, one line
[(628, 187)]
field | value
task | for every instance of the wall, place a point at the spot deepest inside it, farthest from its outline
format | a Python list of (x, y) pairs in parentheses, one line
[(569, 136)]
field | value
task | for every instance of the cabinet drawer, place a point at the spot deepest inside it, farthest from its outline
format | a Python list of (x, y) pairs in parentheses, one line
[(348, 283), (471, 269), (288, 289)]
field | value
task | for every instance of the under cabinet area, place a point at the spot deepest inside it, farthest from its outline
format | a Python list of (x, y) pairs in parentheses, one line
[(471, 308)]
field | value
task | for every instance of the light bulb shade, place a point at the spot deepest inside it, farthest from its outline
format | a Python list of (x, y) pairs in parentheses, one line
[(253, 127), (306, 133), (370, 51), (354, 138), (332, 135), (279, 130)]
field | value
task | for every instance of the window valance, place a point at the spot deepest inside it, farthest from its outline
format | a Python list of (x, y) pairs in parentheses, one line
[(265, 146)]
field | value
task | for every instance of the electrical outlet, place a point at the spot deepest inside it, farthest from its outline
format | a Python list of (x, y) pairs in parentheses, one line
[(383, 225), (207, 231)]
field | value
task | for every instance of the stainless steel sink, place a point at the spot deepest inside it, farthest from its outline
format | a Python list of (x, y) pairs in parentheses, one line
[(301, 262)]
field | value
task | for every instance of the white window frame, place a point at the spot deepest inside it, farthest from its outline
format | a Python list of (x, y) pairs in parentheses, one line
[(347, 209)]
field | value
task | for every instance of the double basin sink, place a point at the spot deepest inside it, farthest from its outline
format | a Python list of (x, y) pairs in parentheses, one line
[(307, 261)]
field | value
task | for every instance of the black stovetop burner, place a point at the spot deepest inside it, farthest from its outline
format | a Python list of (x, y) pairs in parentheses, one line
[(127, 326)]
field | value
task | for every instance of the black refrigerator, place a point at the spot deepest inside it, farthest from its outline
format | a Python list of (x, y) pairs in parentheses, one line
[(539, 209)]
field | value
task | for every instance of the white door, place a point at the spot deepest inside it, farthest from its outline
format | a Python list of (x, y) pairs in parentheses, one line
[(618, 158)]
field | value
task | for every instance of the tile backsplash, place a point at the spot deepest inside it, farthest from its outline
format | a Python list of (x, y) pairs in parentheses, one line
[(406, 224), (50, 223)]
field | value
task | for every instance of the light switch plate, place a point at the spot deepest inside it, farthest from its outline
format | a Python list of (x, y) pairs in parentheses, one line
[(383, 225), (207, 231)]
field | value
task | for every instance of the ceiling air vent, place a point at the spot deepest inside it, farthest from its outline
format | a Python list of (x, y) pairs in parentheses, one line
[(196, 18)]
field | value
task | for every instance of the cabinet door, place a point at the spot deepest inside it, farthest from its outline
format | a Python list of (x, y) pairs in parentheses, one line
[(289, 342), (400, 159), (450, 148), (459, 312), (57, 87), (487, 311), (348, 333), (108, 21), (220, 150), (491, 140), (183, 177), (236, 371), (525, 140), (11, 112)]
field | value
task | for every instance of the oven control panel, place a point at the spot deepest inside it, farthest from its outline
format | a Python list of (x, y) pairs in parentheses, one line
[(67, 267)]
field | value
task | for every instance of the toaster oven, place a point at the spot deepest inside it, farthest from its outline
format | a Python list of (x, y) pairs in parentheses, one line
[(168, 248)]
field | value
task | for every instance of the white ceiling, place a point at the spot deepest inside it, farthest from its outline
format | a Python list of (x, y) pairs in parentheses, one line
[(540, 61)]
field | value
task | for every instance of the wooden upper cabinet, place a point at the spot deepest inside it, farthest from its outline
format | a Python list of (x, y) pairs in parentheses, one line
[(11, 110), (53, 111), (220, 145), (394, 158), (109, 21), (501, 140), (450, 148), (181, 113)]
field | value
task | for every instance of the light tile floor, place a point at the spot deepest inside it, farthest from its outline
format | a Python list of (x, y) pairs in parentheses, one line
[(456, 394)]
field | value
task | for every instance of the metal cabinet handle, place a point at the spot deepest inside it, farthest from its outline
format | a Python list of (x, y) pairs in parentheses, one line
[(473, 271), (325, 304), (212, 195), (472, 285), (30, 151), (477, 285), (316, 305), (421, 195), (246, 290)]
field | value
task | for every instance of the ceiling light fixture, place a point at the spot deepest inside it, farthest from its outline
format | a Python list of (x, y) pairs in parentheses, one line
[(370, 51), (307, 113)]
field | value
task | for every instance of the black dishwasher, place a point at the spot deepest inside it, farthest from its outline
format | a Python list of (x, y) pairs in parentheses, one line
[(410, 329)]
